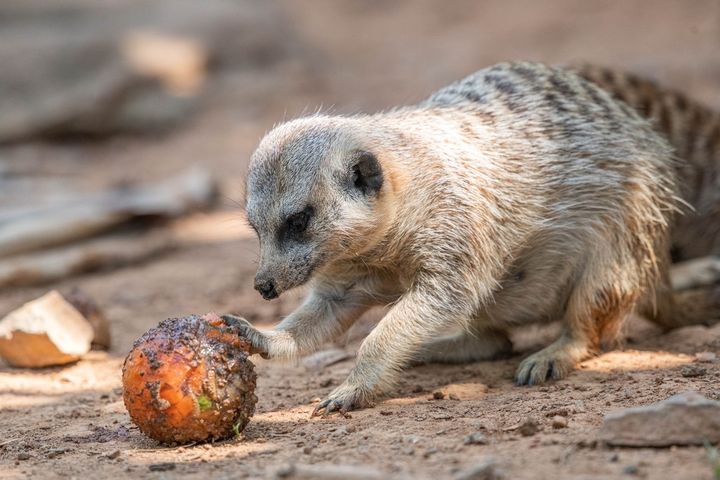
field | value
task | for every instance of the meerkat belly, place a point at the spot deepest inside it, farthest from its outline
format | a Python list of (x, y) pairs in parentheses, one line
[(535, 290)]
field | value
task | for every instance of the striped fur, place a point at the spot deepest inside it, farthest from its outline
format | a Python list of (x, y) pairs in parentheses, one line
[(694, 132)]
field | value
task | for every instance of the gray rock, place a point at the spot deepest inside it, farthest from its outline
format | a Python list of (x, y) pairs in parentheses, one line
[(684, 419), (485, 470), (692, 370), (476, 438)]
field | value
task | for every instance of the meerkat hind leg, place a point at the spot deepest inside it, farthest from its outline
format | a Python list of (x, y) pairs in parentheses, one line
[(554, 362), (465, 347), (587, 319)]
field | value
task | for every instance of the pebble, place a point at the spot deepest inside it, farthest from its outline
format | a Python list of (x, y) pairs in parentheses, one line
[(485, 470), (161, 467), (631, 470), (113, 455), (476, 438), (528, 428), (23, 456), (55, 452), (559, 422), (430, 451), (690, 371), (437, 395)]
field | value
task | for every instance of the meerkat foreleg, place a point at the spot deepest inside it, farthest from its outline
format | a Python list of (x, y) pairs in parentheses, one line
[(414, 320), (327, 312), (471, 345)]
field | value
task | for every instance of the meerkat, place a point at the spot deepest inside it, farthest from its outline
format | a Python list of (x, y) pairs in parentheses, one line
[(520, 194)]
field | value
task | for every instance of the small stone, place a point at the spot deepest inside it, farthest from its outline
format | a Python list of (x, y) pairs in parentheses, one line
[(585, 443), (631, 470), (55, 452), (326, 382), (307, 450), (437, 395), (692, 370), (528, 428), (113, 455), (614, 457), (684, 419), (349, 428), (705, 357), (417, 389), (485, 470), (559, 422), (476, 438), (453, 396), (161, 467), (429, 451), (23, 456), (412, 439), (563, 412), (285, 471)]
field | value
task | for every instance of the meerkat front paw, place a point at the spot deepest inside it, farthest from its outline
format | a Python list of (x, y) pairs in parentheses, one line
[(343, 399), (267, 343)]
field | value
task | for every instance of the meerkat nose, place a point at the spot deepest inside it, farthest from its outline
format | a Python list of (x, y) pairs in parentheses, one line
[(266, 288)]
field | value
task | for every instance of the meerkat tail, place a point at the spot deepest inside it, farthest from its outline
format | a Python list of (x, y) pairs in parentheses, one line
[(694, 306), (689, 296)]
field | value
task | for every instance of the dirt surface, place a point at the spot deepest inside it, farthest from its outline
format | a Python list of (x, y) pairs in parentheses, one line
[(71, 422)]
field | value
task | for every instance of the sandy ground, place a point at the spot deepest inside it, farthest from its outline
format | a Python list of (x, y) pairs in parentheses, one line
[(70, 422)]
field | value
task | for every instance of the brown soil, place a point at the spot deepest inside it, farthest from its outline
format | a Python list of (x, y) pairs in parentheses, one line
[(71, 422)]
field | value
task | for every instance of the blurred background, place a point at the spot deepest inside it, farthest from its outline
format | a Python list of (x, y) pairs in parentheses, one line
[(126, 125)]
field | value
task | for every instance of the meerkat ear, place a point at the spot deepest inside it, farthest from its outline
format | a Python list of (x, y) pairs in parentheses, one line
[(367, 175)]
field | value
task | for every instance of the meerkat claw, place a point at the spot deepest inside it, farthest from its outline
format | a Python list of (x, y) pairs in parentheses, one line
[(253, 335), (328, 407)]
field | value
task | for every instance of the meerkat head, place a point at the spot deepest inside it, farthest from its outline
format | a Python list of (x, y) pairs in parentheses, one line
[(315, 195)]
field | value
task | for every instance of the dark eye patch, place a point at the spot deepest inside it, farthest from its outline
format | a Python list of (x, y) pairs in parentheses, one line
[(297, 223)]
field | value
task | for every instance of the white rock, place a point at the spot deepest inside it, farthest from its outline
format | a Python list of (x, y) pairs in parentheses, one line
[(705, 357), (684, 419), (44, 332), (325, 358)]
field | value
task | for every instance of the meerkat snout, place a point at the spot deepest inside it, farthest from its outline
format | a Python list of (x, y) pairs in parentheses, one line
[(266, 287)]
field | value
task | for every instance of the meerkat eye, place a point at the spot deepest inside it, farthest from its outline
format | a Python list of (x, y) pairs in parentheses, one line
[(298, 222)]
